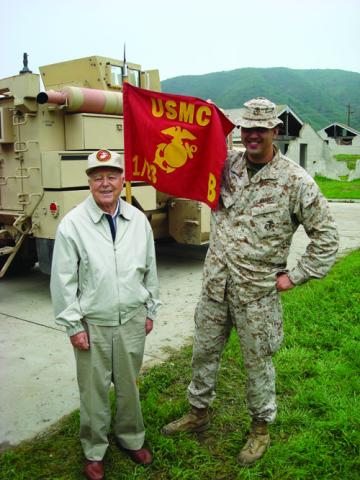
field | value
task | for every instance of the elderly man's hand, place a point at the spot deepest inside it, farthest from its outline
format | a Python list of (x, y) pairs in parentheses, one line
[(283, 283), (80, 341), (148, 325)]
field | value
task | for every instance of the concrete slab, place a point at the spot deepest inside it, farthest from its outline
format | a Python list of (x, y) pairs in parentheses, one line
[(37, 372), (40, 379)]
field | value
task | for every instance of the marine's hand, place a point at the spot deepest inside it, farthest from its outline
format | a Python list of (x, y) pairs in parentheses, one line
[(148, 325), (80, 341), (283, 282)]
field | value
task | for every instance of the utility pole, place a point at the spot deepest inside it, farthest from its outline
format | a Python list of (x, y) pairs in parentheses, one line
[(349, 112)]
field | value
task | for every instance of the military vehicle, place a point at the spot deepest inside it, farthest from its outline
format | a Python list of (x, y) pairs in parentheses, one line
[(45, 138)]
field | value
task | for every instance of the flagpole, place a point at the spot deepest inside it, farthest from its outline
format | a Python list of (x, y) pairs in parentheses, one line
[(125, 72), (128, 195)]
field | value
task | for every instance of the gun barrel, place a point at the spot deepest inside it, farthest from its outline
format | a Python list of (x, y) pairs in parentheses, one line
[(59, 98), (85, 100)]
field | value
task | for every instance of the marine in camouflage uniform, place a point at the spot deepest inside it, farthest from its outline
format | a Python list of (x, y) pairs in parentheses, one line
[(264, 198)]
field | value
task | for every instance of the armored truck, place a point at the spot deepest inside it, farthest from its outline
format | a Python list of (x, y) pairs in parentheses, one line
[(46, 135)]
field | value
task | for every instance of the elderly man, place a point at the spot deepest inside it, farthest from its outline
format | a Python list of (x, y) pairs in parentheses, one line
[(105, 292), (264, 198)]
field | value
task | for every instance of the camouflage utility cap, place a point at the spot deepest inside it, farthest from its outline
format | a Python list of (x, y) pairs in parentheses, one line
[(259, 112)]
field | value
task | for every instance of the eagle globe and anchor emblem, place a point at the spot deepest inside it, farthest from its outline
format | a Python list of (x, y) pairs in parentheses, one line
[(173, 155)]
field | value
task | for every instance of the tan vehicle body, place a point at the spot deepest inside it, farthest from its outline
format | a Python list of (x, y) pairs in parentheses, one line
[(45, 139)]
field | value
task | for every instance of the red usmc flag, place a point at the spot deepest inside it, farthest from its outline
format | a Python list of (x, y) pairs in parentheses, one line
[(175, 143)]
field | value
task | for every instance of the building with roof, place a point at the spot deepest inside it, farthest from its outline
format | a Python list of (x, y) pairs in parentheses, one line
[(341, 138)]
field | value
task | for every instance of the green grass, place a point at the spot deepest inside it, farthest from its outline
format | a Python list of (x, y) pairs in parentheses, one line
[(350, 160), (316, 435), (339, 189)]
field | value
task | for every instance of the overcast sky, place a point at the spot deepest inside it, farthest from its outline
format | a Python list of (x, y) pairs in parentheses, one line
[(183, 37)]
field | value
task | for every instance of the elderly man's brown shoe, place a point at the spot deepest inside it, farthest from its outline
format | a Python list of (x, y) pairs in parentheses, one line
[(142, 456), (94, 470)]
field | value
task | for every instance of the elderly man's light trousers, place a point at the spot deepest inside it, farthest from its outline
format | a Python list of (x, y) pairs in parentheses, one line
[(115, 355)]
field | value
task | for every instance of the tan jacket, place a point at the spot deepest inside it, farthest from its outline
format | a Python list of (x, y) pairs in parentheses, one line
[(252, 229)]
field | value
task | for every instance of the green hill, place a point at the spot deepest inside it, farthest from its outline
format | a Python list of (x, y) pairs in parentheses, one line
[(319, 97)]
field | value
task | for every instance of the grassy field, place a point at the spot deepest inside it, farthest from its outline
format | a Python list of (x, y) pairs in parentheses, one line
[(350, 160), (316, 435), (339, 189)]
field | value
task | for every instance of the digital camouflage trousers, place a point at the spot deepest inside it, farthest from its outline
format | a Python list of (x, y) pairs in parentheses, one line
[(260, 331)]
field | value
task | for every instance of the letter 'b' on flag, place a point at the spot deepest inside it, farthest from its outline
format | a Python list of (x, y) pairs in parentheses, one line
[(175, 143)]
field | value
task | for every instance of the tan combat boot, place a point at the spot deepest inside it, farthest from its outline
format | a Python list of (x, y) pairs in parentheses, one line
[(196, 421), (256, 445)]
